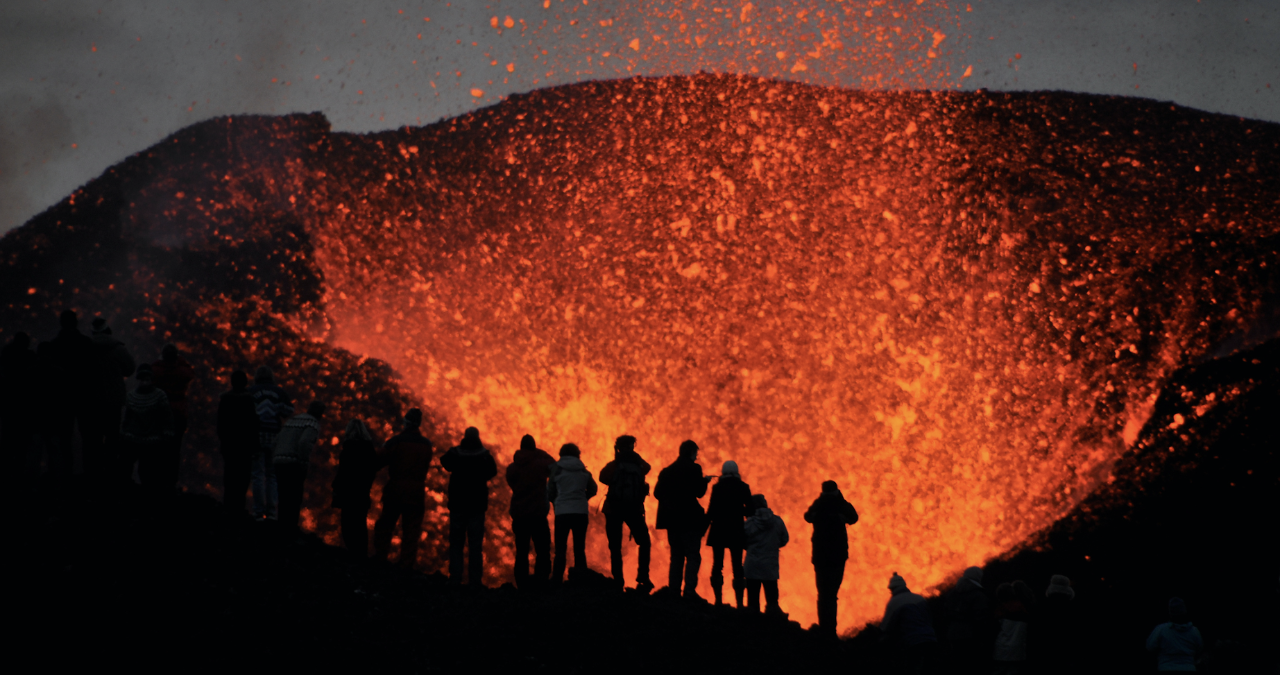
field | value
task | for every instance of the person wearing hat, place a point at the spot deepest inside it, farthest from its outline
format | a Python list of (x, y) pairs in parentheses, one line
[(1056, 640), (969, 633), (527, 476), (680, 486), (407, 456), (730, 506), (145, 430), (1176, 643), (831, 515), (569, 489), (766, 535), (908, 628), (470, 466)]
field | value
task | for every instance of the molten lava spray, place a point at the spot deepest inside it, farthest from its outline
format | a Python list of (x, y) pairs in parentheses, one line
[(959, 307)]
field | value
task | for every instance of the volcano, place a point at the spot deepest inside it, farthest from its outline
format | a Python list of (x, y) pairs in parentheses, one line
[(961, 307)]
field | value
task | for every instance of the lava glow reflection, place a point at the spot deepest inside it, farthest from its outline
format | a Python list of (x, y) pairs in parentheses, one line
[(939, 301)]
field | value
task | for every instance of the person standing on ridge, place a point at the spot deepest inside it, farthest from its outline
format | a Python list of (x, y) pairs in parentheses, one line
[(679, 488), (66, 363), (237, 438), (730, 506), (624, 504), (273, 406), (766, 534), (352, 481), (470, 466), (570, 488), (969, 632), (407, 456), (1177, 644), (145, 432), (527, 476), (100, 430), (831, 515), (173, 375), (908, 628), (292, 458), (1058, 630)]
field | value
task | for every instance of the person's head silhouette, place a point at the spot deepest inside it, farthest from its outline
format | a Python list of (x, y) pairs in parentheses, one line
[(689, 451), (68, 320), (239, 380)]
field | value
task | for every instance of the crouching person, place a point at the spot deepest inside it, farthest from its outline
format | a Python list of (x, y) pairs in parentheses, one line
[(766, 534)]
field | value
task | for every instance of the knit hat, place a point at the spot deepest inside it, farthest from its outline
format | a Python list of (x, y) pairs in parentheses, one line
[(759, 502), (1060, 585), (570, 450), (730, 468), (896, 582), (974, 574), (527, 442), (1177, 610)]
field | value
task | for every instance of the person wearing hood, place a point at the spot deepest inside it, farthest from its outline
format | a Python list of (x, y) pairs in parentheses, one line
[(570, 488), (100, 432), (831, 516), (470, 466), (237, 438), (680, 486), (969, 624), (66, 364), (173, 375), (729, 508), (292, 459), (273, 406), (765, 535), (145, 431), (527, 477), (1056, 640), (1176, 643), (908, 628), (352, 481), (624, 504), (407, 456)]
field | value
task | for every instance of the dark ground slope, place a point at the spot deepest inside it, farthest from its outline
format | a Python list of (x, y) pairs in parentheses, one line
[(119, 581)]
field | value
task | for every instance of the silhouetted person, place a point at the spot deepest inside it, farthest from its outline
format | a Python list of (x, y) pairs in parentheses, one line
[(237, 439), (831, 516), (969, 620), (292, 457), (908, 629), (1055, 645), (353, 480), (66, 363), (1177, 644), (407, 456), (470, 466), (146, 432), (527, 476), (100, 427), (624, 505), (679, 488), (273, 406), (730, 506), (570, 488), (20, 382), (1014, 604), (766, 534), (173, 375)]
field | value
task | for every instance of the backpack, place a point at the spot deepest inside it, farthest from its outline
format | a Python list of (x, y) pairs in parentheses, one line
[(629, 486)]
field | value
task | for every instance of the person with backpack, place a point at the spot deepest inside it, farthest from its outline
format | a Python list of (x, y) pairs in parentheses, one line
[(1176, 643), (407, 456), (624, 505), (570, 488), (680, 486), (273, 406), (292, 458), (831, 515), (766, 534), (237, 439), (352, 481), (527, 476), (730, 506), (470, 466)]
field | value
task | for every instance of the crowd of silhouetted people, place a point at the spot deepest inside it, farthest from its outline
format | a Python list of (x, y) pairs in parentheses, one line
[(77, 383)]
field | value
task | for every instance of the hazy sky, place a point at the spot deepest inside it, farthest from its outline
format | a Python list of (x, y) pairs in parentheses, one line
[(85, 83)]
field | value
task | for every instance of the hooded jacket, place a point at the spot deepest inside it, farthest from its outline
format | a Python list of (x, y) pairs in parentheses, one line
[(730, 506), (626, 466), (571, 486), (296, 440), (1176, 646), (679, 488), (906, 619), (766, 534), (831, 515), (470, 466), (527, 476), (407, 456)]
